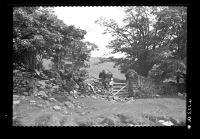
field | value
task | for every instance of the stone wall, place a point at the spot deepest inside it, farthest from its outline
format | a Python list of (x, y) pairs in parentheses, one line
[(24, 83), (150, 87)]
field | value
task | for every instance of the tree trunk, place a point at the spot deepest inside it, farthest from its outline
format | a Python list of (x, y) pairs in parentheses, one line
[(30, 59)]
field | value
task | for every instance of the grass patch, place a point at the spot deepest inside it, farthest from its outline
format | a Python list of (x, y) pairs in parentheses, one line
[(85, 123), (17, 122), (42, 120)]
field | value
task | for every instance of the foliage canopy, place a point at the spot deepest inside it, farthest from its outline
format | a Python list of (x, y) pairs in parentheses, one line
[(153, 39), (39, 34)]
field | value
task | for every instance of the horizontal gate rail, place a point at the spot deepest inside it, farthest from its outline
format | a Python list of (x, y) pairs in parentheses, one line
[(118, 87), (119, 90)]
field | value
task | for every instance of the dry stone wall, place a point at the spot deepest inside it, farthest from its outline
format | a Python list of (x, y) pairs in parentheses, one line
[(25, 84), (150, 87)]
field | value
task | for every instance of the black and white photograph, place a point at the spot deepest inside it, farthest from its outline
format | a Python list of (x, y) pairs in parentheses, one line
[(99, 66)]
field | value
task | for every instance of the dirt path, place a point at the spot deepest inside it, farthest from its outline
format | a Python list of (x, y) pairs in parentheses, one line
[(90, 111)]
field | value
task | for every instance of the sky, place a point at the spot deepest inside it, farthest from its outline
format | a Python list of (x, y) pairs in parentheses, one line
[(84, 18)]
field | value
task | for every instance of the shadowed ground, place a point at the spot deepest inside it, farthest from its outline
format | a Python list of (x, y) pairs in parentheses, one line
[(96, 111)]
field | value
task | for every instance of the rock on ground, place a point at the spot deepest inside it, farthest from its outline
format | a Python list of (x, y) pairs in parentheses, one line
[(42, 94), (56, 107), (16, 102), (69, 105)]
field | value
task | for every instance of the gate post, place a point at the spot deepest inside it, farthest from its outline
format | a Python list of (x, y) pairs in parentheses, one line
[(132, 82)]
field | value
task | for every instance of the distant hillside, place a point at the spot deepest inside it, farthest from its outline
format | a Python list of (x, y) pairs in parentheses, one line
[(94, 70)]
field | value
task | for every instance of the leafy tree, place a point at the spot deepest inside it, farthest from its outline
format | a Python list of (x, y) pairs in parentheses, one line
[(31, 36), (133, 39), (39, 34), (172, 58), (150, 36)]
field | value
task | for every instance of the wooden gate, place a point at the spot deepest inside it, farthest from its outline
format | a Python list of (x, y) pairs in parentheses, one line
[(119, 89)]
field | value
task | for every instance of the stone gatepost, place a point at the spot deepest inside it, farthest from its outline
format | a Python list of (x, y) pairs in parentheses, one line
[(132, 82)]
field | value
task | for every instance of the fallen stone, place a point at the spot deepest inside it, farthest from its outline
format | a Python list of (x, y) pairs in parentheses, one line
[(55, 87), (52, 99), (25, 93), (52, 90), (23, 97), (42, 93), (69, 105), (116, 98), (40, 105), (16, 102), (108, 96), (16, 71), (50, 85), (108, 121), (161, 121), (131, 100), (56, 107), (82, 113), (38, 85), (94, 97), (75, 97), (75, 92), (179, 94), (16, 96), (32, 101), (166, 123), (42, 87), (42, 83), (65, 112), (130, 124), (71, 92)]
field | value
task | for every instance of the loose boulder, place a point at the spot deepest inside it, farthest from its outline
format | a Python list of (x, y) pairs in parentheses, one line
[(42, 94), (69, 105), (56, 107)]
